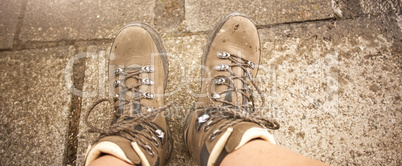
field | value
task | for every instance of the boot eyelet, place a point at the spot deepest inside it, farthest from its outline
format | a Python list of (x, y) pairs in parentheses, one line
[(116, 97), (148, 69), (117, 71), (149, 150), (116, 83), (214, 134), (155, 141), (149, 95), (223, 55), (207, 126), (251, 64), (160, 133), (219, 81), (215, 96), (203, 118), (200, 120), (221, 67), (147, 81)]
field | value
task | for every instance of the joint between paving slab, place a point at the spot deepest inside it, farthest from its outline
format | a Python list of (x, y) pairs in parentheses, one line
[(319, 20), (296, 22), (16, 40), (70, 154), (185, 33), (19, 45), (50, 44), (5, 50)]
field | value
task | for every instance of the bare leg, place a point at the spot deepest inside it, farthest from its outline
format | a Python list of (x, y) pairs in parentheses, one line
[(256, 152), (109, 160), (261, 152)]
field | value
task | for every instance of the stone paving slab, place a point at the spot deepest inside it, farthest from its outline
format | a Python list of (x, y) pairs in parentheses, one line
[(375, 7), (95, 87), (8, 22), (335, 87), (35, 104), (183, 86), (390, 9), (169, 15), (77, 19), (202, 15)]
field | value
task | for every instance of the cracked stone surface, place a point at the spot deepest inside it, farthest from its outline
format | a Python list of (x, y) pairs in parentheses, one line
[(202, 15), (35, 104), (77, 19), (8, 22)]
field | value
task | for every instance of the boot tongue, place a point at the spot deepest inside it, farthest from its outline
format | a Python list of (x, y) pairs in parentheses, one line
[(130, 108), (235, 96), (135, 107)]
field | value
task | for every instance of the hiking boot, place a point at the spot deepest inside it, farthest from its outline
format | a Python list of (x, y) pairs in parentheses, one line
[(138, 70), (224, 117)]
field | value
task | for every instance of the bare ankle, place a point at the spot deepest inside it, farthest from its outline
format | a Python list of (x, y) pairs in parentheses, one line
[(109, 160), (261, 152)]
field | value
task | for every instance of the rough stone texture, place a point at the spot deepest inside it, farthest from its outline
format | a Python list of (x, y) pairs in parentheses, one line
[(35, 105), (348, 9), (335, 87), (95, 87), (202, 15), (8, 21), (382, 8), (183, 86), (306, 74), (376, 7), (76, 19), (169, 16), (387, 9), (332, 80)]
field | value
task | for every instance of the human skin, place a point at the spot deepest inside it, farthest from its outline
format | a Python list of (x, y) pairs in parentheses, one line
[(257, 152)]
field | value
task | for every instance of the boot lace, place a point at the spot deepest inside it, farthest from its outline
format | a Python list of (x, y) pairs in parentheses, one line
[(233, 112), (132, 126)]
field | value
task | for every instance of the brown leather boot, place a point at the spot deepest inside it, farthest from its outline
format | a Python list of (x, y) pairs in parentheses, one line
[(138, 71), (224, 117)]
